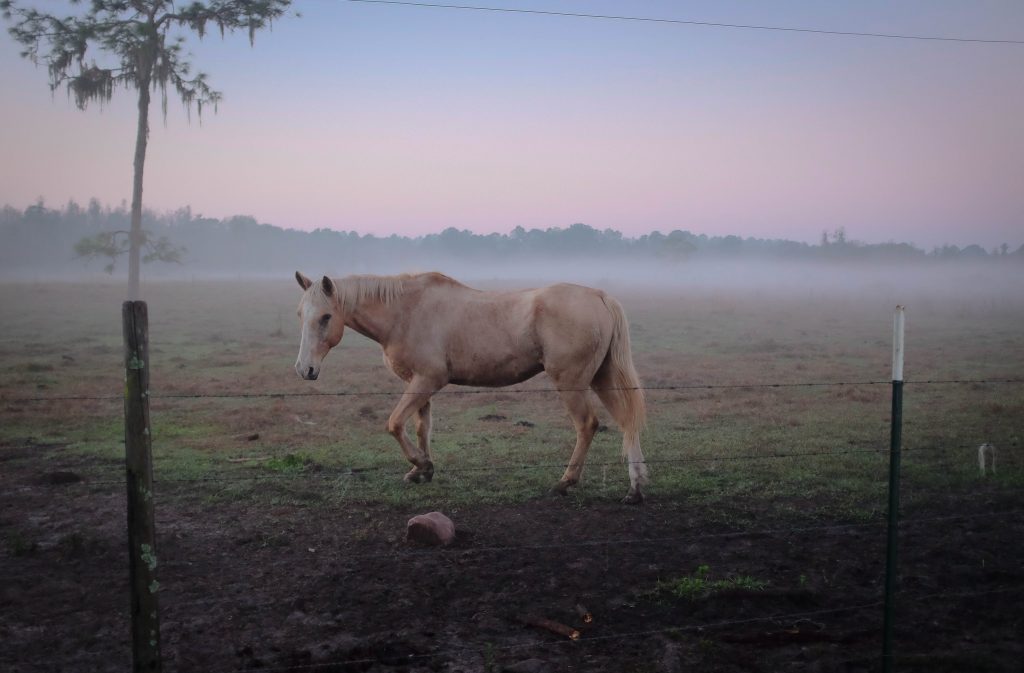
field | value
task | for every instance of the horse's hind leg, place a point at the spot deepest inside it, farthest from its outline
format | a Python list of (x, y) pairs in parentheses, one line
[(617, 404), (416, 397), (585, 422)]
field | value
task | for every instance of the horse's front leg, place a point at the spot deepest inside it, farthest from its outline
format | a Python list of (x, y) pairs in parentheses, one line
[(423, 423), (414, 399)]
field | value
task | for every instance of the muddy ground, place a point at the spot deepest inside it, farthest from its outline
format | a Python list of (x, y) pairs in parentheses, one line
[(314, 588)]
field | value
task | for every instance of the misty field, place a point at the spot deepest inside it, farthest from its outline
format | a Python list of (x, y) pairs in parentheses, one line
[(281, 514)]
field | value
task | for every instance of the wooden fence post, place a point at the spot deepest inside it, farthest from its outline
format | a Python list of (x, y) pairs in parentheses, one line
[(139, 472)]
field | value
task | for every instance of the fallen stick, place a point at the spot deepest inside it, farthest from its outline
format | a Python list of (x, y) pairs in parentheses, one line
[(549, 625), (584, 613)]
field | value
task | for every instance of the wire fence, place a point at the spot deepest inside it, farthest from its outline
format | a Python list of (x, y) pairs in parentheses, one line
[(359, 472), (790, 620), (504, 391), (626, 545), (581, 641)]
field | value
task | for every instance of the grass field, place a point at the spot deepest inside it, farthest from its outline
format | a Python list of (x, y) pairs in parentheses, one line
[(228, 338), (243, 459)]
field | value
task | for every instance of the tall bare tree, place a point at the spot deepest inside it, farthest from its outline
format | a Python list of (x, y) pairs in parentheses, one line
[(142, 48)]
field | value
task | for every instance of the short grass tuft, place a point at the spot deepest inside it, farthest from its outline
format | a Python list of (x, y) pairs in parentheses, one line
[(699, 585)]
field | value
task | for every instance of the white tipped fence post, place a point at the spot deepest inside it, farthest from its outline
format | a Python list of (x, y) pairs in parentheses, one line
[(894, 489), (139, 472)]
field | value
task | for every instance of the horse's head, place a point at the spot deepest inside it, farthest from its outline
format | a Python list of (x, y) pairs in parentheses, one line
[(322, 324)]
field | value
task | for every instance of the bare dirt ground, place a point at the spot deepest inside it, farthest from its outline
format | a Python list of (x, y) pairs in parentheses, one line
[(338, 589)]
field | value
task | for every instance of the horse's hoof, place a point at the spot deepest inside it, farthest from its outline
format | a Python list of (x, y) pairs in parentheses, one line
[(417, 477), (633, 498), (561, 488)]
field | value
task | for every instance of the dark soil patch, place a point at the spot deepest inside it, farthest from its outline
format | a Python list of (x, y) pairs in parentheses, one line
[(58, 478), (292, 588)]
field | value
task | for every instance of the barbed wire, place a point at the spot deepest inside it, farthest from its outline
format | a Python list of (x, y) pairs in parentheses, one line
[(536, 643), (959, 381), (628, 547), (448, 553), (356, 472), (352, 479), (506, 391), (761, 532), (579, 642), (627, 544), (418, 555), (122, 613), (932, 596), (921, 493), (583, 640)]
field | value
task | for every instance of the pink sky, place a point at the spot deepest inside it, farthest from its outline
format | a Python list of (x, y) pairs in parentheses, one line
[(389, 120)]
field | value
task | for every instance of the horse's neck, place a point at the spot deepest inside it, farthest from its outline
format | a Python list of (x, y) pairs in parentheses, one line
[(376, 303), (372, 319)]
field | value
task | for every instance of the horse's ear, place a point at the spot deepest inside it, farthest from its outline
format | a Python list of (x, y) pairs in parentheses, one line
[(328, 286), (304, 282)]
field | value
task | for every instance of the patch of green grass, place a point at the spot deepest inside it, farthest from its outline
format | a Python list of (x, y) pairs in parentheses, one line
[(185, 463), (24, 431), (699, 585), (290, 463)]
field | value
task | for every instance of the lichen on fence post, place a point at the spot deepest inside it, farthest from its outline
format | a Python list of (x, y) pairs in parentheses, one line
[(139, 472)]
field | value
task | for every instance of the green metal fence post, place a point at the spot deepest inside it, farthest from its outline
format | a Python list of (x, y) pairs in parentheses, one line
[(891, 558)]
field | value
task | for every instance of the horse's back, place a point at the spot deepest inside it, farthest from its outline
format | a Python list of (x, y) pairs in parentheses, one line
[(483, 338)]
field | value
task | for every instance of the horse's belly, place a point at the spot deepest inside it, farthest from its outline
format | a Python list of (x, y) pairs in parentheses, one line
[(494, 373)]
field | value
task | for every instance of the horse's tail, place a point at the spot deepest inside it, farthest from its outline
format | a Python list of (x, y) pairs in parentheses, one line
[(618, 386)]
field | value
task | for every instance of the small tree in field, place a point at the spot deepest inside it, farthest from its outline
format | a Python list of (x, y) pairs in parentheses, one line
[(143, 50), (113, 244)]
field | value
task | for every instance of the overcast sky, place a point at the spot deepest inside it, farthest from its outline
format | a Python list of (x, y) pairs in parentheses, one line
[(392, 119)]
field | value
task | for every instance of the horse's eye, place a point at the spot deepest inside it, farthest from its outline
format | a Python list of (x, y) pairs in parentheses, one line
[(324, 320)]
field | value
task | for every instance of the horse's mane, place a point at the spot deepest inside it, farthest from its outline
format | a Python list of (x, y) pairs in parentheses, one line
[(351, 291)]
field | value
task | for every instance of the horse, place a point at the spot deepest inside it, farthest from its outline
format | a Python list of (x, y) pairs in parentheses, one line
[(435, 331)]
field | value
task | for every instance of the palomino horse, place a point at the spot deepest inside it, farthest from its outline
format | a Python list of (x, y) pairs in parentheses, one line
[(435, 331)]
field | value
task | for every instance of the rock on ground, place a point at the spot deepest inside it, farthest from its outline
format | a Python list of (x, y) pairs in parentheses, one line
[(431, 529)]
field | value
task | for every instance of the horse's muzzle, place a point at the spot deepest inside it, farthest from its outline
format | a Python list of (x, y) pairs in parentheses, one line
[(309, 373)]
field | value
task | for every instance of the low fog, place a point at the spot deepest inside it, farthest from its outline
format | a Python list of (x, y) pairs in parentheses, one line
[(40, 244), (987, 285)]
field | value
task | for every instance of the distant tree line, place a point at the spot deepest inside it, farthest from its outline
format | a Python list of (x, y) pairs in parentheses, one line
[(40, 238)]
